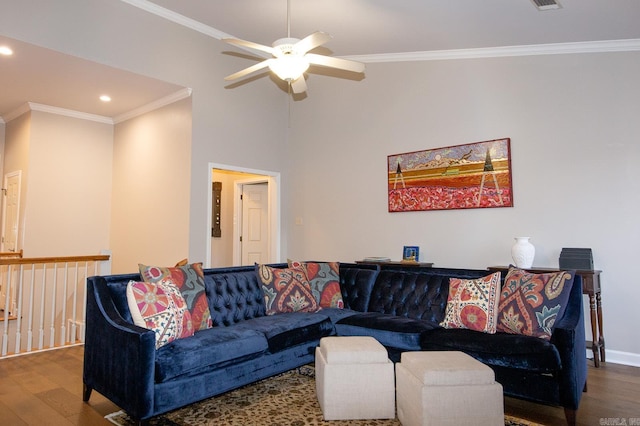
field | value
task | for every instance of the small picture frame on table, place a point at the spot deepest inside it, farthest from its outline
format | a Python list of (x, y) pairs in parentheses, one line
[(411, 254)]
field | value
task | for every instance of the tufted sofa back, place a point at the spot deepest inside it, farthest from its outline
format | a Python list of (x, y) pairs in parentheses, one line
[(234, 294), (415, 293), (356, 283)]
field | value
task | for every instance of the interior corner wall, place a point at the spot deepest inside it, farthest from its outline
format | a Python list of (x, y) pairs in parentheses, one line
[(574, 129), (151, 187), (68, 189)]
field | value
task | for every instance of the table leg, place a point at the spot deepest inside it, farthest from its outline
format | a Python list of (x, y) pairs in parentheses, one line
[(594, 330), (600, 327)]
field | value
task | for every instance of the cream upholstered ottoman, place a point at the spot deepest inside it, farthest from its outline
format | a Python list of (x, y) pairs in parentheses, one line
[(447, 388), (354, 379)]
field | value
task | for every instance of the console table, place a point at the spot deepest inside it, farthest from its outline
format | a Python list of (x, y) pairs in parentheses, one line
[(590, 287), (395, 263)]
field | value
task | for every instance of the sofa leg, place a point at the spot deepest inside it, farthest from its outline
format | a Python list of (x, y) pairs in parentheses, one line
[(570, 416), (86, 392)]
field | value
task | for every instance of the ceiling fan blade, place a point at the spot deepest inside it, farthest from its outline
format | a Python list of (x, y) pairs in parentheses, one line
[(250, 45), (251, 69), (312, 41), (328, 61), (299, 85)]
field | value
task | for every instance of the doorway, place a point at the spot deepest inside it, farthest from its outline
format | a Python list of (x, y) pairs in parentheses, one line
[(10, 211), (247, 217)]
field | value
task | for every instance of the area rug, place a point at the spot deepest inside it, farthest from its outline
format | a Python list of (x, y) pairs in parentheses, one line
[(288, 399)]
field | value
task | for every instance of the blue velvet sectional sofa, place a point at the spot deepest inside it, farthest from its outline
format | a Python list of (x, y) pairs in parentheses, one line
[(400, 306)]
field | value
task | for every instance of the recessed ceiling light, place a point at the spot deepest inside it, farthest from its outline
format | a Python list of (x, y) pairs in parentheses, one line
[(105, 98), (4, 50)]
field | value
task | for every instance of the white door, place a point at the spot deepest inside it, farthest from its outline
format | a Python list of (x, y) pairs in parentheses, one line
[(9, 238), (10, 211), (255, 223)]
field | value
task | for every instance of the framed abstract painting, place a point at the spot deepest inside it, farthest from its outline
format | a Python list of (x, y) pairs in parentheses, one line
[(475, 175)]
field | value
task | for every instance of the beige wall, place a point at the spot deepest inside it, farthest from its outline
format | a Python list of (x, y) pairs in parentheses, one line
[(151, 188), (66, 181), (574, 131), (65, 166)]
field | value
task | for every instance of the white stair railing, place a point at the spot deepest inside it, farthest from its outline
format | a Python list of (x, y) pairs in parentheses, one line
[(44, 300)]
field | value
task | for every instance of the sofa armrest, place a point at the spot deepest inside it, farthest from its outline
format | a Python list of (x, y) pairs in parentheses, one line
[(119, 357), (569, 338)]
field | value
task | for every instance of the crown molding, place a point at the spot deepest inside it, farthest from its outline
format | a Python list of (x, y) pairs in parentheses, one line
[(434, 55), (16, 112), (159, 103), (69, 113), (177, 18), (504, 51)]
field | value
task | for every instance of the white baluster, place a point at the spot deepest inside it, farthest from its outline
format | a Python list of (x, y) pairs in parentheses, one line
[(30, 315), (63, 328), (54, 292), (5, 334), (20, 279), (73, 306), (42, 303)]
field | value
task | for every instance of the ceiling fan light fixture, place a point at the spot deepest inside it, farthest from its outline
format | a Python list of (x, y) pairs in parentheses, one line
[(289, 67)]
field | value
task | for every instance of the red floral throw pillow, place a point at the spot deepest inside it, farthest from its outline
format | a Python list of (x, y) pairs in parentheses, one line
[(190, 281), (324, 279), (530, 303), (159, 307), (473, 304), (286, 290)]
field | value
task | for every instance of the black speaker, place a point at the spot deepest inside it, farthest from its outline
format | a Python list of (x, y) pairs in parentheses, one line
[(576, 258)]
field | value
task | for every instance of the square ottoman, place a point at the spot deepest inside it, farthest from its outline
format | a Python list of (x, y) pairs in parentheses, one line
[(447, 388), (354, 379)]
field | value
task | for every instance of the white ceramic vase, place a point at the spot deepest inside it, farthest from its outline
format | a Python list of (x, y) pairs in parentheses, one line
[(523, 252)]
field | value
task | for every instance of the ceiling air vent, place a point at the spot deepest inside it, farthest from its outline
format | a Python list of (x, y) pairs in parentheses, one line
[(546, 4)]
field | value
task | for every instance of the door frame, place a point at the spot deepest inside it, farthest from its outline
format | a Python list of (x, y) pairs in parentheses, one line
[(273, 182)]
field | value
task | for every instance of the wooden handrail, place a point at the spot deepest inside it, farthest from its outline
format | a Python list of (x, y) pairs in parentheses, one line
[(11, 254), (56, 259)]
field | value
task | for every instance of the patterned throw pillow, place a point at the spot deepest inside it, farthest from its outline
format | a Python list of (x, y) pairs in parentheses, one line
[(286, 290), (190, 280), (530, 303), (324, 279), (159, 307), (473, 304)]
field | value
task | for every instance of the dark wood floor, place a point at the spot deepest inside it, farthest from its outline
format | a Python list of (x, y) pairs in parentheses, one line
[(46, 389)]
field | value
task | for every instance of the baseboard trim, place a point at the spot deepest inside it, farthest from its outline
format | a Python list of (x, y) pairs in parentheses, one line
[(619, 357)]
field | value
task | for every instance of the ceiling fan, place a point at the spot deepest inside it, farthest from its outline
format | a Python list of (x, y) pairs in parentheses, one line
[(291, 57)]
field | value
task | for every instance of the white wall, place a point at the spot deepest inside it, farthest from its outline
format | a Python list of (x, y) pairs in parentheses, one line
[(151, 187), (575, 133), (68, 203)]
